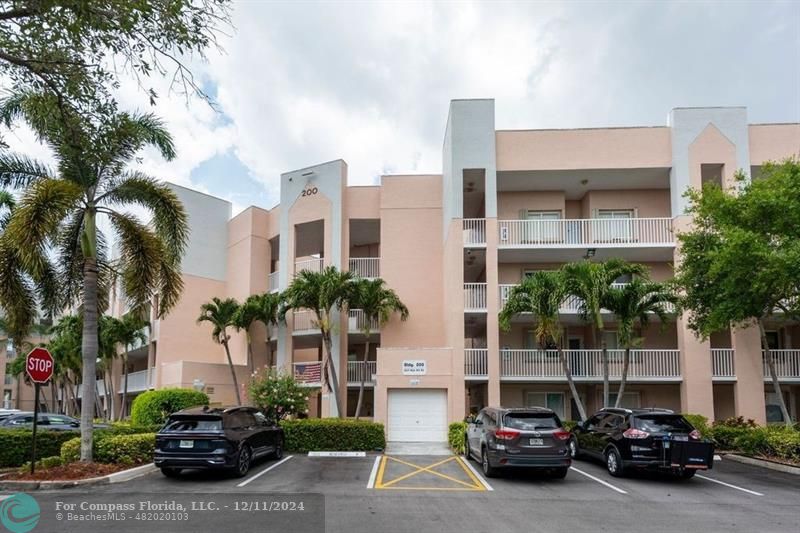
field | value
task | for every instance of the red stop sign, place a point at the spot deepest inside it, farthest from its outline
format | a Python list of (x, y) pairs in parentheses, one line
[(39, 365)]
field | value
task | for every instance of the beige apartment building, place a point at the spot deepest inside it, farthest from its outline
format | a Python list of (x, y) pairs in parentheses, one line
[(452, 245)]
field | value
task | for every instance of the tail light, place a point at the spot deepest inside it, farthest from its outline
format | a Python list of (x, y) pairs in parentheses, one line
[(695, 435), (634, 433), (561, 434), (506, 434)]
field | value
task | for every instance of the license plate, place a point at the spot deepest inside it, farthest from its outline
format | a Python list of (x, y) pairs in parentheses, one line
[(680, 438), (186, 444), (537, 442)]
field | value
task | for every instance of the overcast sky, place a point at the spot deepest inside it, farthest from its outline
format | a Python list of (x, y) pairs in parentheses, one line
[(301, 83)]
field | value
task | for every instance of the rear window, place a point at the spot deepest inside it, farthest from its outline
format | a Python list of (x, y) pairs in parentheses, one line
[(531, 421), (662, 423), (193, 424)]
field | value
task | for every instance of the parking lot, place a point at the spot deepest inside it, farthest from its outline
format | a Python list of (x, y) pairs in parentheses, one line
[(445, 493)]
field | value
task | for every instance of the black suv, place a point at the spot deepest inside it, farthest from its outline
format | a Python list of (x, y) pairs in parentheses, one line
[(204, 437), (653, 439), (523, 437)]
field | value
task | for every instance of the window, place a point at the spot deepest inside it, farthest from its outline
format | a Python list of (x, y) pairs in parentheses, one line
[(61, 420), (543, 228), (531, 421), (194, 424), (614, 225), (550, 400), (773, 340), (656, 423), (610, 422)]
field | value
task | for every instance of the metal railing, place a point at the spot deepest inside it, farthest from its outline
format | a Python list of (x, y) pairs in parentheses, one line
[(308, 374), (312, 265), (365, 267), (357, 321), (476, 362), (474, 231), (722, 363), (475, 296), (273, 281), (355, 370), (787, 364), (599, 232), (571, 304), (587, 364), (305, 320), (138, 381)]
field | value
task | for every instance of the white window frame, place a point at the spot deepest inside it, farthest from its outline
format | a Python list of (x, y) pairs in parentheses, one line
[(545, 232), (611, 232), (558, 393)]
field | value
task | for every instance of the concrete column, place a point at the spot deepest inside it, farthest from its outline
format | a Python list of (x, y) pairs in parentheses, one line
[(697, 392), (748, 390), (492, 309)]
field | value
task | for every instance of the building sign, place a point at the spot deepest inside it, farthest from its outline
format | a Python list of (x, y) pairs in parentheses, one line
[(414, 367)]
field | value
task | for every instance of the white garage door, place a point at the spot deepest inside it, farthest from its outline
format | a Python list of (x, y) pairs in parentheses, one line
[(417, 415)]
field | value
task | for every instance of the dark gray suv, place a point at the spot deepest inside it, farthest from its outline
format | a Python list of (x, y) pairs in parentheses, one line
[(529, 437)]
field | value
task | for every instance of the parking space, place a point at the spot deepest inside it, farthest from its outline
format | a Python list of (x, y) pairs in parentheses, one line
[(425, 473)]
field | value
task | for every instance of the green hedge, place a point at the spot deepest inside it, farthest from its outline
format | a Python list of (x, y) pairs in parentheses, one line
[(455, 436), (15, 445), (71, 450), (153, 407), (127, 449), (318, 434)]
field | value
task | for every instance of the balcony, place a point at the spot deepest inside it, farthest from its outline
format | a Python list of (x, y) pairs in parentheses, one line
[(476, 363), (365, 267), (357, 322), (474, 297), (305, 322), (722, 368), (312, 265), (787, 365), (587, 366), (273, 281), (139, 381), (571, 304), (356, 370), (307, 374), (474, 232)]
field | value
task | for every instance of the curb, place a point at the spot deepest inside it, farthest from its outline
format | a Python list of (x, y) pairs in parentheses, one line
[(117, 477), (787, 469)]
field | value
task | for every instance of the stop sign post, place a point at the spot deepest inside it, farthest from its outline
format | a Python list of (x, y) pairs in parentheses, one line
[(39, 365)]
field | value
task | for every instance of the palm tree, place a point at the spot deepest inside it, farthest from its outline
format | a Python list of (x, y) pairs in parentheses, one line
[(65, 347), (633, 305), (246, 315), (378, 303), (127, 331), (322, 293), (58, 214), (591, 282), (542, 295), (221, 313), (269, 313)]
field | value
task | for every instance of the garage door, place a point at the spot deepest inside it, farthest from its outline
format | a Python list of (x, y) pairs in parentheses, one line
[(417, 415)]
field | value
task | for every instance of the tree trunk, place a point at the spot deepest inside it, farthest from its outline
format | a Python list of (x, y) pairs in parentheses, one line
[(333, 384), (89, 346), (269, 348), (363, 377), (776, 384), (604, 358), (123, 409), (250, 362), (572, 389), (233, 370), (626, 361), (54, 393)]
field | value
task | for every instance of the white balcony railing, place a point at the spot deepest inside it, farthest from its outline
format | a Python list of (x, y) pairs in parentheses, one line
[(722, 363), (475, 296), (571, 304), (356, 369), (304, 321), (596, 232), (274, 283), (308, 374), (366, 267), (787, 364), (357, 322), (312, 265), (474, 231), (586, 365), (476, 363)]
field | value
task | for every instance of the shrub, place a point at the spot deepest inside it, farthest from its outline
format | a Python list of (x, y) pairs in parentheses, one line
[(700, 423), (455, 436), (737, 422), (752, 441), (15, 445), (725, 436), (278, 395), (784, 443), (317, 434), (153, 407), (127, 449), (569, 425), (71, 450)]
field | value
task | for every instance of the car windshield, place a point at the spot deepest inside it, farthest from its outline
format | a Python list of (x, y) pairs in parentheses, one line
[(662, 423), (531, 421), (193, 424)]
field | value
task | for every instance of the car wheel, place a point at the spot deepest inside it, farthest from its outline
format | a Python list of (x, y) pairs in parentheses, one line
[(573, 448), (171, 472), (467, 453), (560, 473), (614, 463), (488, 469), (687, 474), (278, 453), (243, 461)]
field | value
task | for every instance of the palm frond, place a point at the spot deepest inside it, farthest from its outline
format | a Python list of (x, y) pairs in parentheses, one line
[(220, 314), (18, 171), (140, 258)]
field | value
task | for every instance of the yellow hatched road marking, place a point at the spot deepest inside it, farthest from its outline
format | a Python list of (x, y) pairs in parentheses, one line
[(380, 484)]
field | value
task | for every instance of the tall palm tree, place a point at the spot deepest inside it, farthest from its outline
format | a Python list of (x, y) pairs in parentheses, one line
[(269, 313), (542, 295), (58, 213), (65, 347), (378, 303), (221, 314), (247, 314), (125, 332), (322, 293), (633, 305), (591, 282)]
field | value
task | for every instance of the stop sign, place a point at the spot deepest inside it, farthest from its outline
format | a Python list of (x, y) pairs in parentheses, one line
[(39, 365)]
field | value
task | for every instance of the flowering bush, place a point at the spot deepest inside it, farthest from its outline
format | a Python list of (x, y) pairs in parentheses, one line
[(278, 395)]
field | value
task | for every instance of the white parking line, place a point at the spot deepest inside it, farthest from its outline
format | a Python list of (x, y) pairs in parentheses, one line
[(371, 482), (465, 461), (748, 491), (248, 480), (604, 483)]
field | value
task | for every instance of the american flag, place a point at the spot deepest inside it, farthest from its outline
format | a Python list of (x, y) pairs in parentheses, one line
[(307, 372)]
